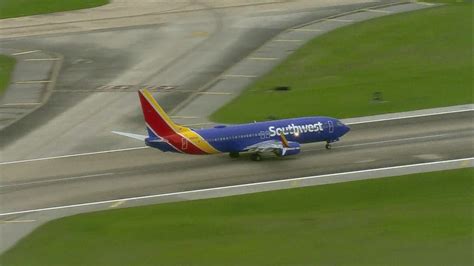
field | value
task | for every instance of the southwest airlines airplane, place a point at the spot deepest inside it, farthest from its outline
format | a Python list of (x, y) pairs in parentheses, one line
[(281, 137)]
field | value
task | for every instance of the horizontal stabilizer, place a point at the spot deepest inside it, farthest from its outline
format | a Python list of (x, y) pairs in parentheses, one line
[(130, 135)]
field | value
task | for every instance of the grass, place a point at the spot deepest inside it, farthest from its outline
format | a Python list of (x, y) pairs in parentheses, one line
[(19, 8), (6, 68), (417, 60), (422, 219)]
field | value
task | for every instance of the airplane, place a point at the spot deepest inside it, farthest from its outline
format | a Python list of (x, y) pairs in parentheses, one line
[(280, 137)]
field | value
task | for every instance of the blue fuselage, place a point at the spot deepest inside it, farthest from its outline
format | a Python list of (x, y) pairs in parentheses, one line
[(302, 130)]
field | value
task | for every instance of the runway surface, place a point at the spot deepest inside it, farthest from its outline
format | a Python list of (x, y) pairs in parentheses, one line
[(72, 180)]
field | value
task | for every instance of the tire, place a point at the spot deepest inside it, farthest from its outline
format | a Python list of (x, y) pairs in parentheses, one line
[(328, 146), (256, 157), (234, 155)]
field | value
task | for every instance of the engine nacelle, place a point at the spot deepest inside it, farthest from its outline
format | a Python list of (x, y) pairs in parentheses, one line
[(292, 149)]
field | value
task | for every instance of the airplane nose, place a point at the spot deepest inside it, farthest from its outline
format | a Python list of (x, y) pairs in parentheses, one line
[(345, 128)]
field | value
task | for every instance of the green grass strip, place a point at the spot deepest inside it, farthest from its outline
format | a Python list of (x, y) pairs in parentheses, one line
[(19, 8), (416, 60), (421, 219), (6, 68)]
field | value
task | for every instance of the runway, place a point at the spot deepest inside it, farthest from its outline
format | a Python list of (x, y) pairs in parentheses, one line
[(98, 177)]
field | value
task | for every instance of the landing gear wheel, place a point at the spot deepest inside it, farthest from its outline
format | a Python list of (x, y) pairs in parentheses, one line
[(256, 157), (328, 146), (234, 155)]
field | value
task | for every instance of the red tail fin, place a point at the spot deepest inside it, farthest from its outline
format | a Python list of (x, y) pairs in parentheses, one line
[(155, 117), (159, 124)]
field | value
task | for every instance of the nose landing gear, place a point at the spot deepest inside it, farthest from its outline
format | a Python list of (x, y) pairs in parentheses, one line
[(328, 143)]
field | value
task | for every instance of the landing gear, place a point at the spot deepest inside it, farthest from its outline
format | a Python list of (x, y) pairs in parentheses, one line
[(234, 155), (256, 157), (328, 146)]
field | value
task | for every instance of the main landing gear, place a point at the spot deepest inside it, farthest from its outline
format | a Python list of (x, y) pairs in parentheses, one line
[(256, 157), (234, 155)]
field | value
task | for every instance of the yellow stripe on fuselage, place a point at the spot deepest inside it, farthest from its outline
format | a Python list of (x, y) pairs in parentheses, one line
[(284, 140), (198, 141)]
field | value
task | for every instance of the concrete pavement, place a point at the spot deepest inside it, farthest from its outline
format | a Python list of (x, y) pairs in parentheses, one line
[(32, 83)]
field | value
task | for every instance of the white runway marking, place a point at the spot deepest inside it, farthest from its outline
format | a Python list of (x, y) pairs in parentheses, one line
[(428, 157), (382, 142), (230, 187), (214, 93), (27, 52), (239, 76), (408, 116), (284, 40), (74, 155), (366, 161), (42, 59), (199, 124), (17, 104), (56, 180), (262, 58), (17, 221), (308, 30), (340, 20), (117, 204), (378, 11), (183, 117), (394, 140), (33, 81), (425, 3)]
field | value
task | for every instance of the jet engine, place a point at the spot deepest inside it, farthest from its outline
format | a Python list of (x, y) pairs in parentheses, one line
[(291, 149)]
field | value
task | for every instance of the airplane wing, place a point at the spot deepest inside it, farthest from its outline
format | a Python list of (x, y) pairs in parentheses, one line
[(265, 146), (282, 147), (130, 135)]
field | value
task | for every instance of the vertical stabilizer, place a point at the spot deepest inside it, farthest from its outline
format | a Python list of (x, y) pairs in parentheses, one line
[(159, 125), (157, 121)]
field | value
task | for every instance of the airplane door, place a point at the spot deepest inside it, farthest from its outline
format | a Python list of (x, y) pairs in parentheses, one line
[(184, 144), (331, 126)]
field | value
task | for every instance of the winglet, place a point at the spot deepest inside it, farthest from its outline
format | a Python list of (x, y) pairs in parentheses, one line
[(284, 141)]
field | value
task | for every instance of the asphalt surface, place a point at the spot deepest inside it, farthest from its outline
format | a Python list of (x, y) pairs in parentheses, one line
[(98, 177), (31, 83)]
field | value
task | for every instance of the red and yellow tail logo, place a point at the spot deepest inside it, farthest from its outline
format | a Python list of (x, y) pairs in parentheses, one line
[(181, 138)]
